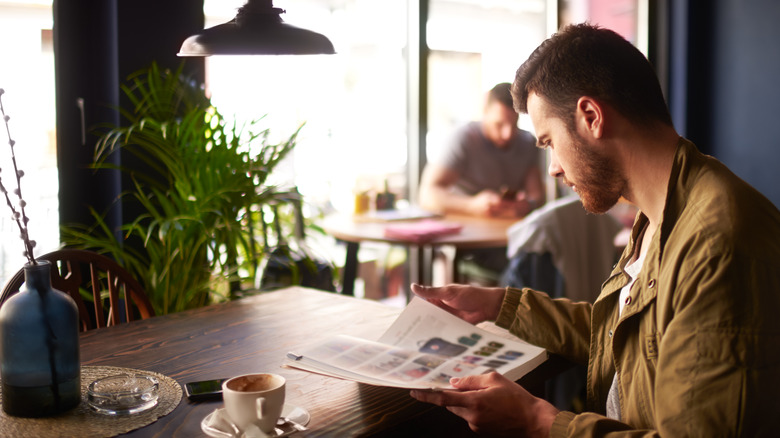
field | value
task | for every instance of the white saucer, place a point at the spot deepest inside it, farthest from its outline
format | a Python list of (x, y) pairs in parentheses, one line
[(294, 413)]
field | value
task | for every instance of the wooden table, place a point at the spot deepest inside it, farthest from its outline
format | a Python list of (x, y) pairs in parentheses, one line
[(253, 335), (477, 232)]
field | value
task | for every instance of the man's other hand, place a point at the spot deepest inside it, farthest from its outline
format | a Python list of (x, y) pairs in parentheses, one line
[(494, 406), (485, 203), (470, 303)]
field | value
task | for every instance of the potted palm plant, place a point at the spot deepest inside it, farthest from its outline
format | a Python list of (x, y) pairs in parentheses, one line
[(200, 194)]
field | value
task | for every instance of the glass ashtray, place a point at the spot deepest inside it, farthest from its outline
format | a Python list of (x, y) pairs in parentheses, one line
[(123, 394)]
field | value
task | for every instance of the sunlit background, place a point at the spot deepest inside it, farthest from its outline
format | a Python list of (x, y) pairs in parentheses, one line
[(352, 105), (27, 76)]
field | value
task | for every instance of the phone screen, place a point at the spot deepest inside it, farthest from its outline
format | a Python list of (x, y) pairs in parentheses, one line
[(508, 195), (204, 390)]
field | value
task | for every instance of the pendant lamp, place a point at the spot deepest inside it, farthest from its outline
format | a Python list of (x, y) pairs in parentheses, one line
[(257, 29)]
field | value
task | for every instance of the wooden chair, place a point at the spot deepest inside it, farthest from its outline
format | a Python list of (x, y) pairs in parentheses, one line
[(109, 283)]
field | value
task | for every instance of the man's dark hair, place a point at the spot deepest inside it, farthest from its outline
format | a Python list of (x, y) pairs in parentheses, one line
[(501, 93), (585, 60)]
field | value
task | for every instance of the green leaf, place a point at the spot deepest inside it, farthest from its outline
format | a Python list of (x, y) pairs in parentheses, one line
[(201, 184)]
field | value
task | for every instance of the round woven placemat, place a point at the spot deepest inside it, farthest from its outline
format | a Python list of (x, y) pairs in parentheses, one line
[(83, 422)]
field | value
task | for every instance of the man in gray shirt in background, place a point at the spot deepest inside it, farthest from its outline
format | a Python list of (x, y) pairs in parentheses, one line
[(490, 168)]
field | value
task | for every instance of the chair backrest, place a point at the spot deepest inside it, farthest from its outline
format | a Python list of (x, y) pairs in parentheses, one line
[(284, 263), (581, 246), (112, 288)]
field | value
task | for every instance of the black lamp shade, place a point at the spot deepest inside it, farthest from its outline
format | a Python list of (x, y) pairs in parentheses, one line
[(257, 30)]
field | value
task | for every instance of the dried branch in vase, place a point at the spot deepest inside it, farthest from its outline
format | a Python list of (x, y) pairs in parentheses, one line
[(17, 210)]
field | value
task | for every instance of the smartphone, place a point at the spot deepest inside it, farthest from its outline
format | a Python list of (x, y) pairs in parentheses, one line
[(508, 195), (204, 390)]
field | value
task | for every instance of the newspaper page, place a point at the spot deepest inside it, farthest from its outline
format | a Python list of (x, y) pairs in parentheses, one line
[(423, 348)]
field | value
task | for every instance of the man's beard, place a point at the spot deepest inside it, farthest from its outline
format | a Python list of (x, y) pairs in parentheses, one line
[(600, 184)]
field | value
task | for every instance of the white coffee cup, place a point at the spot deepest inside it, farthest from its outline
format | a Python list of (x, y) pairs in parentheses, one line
[(254, 399)]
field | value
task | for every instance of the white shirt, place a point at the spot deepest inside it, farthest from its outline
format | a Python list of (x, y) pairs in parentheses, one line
[(613, 398)]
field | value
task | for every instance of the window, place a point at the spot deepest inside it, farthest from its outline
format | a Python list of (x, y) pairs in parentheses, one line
[(353, 103), (628, 18), (28, 79), (475, 45)]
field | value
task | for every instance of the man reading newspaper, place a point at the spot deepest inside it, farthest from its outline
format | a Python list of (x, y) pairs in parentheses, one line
[(683, 339)]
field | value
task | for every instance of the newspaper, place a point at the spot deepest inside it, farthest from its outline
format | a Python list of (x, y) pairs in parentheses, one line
[(422, 349), (409, 213)]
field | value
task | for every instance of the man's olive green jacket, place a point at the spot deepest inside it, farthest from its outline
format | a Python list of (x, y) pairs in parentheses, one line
[(697, 348)]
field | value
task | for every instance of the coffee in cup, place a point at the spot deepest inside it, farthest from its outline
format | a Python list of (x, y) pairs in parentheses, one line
[(254, 399)]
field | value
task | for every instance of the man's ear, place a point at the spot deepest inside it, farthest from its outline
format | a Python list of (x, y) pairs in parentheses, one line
[(590, 116)]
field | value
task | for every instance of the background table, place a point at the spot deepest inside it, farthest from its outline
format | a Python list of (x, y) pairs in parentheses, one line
[(477, 232), (253, 335)]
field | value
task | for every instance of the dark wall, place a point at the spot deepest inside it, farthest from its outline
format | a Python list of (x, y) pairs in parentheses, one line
[(97, 44), (87, 90), (733, 95), (153, 30), (746, 91), (144, 38)]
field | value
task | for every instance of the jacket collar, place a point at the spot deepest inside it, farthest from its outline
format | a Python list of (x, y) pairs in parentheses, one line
[(687, 161)]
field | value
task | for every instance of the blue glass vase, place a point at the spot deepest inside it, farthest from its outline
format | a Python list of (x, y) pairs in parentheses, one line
[(39, 348)]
